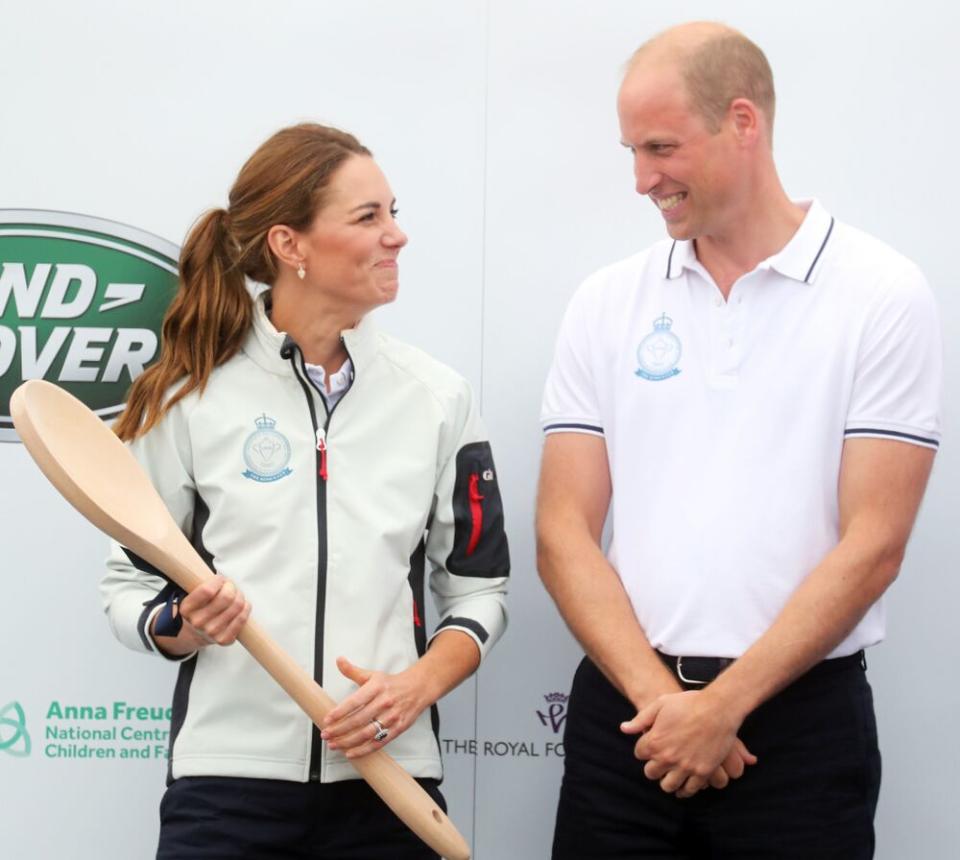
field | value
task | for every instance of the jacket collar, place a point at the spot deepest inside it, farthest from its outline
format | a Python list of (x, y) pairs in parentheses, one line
[(271, 348)]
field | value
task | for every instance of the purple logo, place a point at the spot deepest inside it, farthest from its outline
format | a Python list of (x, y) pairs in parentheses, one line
[(556, 713)]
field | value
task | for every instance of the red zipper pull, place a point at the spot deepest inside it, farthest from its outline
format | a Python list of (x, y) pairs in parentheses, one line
[(322, 448)]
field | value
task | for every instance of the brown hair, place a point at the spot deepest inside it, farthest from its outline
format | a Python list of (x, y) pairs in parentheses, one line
[(283, 182)]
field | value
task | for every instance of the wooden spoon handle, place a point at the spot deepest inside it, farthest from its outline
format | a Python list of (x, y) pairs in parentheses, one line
[(99, 476)]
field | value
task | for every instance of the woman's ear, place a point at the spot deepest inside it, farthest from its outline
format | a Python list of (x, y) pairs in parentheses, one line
[(284, 242)]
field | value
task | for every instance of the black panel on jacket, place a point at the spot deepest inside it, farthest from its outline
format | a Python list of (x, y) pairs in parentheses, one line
[(416, 580), (181, 692), (479, 543), (181, 699)]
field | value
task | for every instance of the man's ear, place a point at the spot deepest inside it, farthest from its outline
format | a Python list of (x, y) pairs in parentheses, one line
[(746, 120)]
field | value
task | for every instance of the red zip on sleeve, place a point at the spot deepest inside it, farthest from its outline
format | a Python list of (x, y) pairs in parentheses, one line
[(476, 514)]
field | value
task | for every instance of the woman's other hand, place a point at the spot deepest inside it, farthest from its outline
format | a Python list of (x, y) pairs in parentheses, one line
[(395, 701)]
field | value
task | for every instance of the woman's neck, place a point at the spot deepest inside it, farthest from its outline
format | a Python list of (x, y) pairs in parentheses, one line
[(313, 324)]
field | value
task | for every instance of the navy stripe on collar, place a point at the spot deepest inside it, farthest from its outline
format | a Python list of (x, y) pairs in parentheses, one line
[(806, 278), (826, 239)]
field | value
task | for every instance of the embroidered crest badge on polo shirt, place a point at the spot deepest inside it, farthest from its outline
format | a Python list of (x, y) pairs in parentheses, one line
[(266, 452), (659, 351)]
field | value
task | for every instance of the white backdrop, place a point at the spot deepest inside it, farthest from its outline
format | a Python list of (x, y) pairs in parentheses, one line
[(495, 124)]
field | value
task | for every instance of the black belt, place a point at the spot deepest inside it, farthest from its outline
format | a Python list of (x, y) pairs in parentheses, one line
[(698, 671)]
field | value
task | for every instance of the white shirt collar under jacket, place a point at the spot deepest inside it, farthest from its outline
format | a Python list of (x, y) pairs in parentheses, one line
[(339, 381)]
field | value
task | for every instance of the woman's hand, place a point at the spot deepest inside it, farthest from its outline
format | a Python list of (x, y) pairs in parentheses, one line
[(395, 701), (213, 613)]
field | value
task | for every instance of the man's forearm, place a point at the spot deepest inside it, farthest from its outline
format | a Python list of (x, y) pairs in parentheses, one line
[(881, 485), (595, 606), (823, 610)]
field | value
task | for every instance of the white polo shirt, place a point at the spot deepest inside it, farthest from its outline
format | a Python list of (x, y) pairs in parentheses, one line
[(724, 421)]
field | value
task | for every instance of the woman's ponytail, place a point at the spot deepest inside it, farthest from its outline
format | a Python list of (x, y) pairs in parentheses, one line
[(205, 324)]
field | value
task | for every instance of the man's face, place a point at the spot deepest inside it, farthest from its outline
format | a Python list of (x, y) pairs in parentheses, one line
[(686, 169)]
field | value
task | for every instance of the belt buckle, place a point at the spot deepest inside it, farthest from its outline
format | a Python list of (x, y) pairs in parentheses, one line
[(685, 679)]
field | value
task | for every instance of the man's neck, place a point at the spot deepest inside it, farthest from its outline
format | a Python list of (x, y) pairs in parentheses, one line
[(760, 228)]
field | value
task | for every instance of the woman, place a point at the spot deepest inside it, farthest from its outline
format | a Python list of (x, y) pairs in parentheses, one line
[(318, 465)]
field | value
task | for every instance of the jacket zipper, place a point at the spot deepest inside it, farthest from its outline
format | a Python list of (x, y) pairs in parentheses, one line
[(320, 434)]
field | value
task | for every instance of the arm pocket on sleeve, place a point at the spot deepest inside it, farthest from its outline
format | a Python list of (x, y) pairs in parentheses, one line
[(479, 543)]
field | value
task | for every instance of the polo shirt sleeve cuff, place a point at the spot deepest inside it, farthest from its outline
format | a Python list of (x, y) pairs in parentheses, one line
[(895, 430), (590, 426)]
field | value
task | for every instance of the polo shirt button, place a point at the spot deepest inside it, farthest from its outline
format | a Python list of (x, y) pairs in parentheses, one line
[(730, 342), (718, 302)]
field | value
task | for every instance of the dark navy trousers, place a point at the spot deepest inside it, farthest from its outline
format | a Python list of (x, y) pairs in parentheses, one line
[(221, 818), (812, 794)]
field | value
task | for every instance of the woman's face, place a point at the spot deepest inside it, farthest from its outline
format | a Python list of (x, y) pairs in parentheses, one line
[(350, 250)]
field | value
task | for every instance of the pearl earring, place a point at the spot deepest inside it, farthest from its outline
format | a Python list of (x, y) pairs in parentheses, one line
[(301, 272)]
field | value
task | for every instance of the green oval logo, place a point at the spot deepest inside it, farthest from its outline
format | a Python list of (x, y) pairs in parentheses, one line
[(81, 304)]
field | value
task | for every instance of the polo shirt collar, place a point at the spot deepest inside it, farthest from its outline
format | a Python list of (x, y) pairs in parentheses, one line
[(682, 256), (798, 259)]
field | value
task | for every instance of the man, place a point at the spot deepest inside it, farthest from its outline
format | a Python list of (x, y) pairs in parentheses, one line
[(758, 395)]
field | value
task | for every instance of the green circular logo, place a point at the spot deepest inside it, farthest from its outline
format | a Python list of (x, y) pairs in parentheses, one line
[(14, 738), (82, 300)]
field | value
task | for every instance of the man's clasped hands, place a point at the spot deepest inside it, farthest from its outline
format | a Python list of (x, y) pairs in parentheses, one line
[(688, 740)]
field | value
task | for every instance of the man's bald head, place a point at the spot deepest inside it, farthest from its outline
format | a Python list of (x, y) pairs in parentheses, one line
[(716, 63)]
